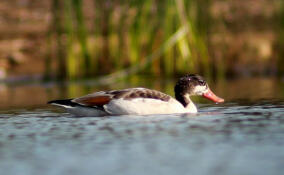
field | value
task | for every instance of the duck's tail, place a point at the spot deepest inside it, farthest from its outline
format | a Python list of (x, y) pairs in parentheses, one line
[(64, 103)]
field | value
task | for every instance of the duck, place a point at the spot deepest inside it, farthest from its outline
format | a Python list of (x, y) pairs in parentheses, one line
[(141, 101)]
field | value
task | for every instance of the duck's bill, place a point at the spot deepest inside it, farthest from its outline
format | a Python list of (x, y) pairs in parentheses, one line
[(211, 96)]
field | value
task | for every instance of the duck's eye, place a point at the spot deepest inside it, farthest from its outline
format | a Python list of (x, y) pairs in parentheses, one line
[(202, 82)]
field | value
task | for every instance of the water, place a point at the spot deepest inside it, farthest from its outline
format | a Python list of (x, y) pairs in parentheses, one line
[(239, 137)]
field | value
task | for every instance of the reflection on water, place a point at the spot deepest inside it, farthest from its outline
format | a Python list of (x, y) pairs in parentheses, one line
[(245, 135), (38, 94)]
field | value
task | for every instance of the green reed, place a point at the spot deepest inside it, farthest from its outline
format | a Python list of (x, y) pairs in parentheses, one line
[(123, 34), (280, 39), (58, 31)]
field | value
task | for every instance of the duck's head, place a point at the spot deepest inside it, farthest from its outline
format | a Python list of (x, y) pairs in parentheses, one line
[(193, 84)]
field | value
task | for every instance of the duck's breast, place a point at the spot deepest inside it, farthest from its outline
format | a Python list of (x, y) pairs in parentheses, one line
[(143, 106)]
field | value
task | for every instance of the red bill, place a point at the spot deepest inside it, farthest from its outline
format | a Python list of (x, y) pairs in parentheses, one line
[(211, 96)]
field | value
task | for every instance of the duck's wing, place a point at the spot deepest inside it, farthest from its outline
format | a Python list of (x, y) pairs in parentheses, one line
[(104, 97), (97, 99)]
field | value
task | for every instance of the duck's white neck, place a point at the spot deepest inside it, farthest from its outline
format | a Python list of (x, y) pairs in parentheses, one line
[(187, 103), (190, 106)]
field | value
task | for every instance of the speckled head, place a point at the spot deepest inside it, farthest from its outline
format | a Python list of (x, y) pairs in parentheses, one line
[(193, 84)]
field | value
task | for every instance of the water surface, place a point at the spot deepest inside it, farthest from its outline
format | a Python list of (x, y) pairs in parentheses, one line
[(241, 136)]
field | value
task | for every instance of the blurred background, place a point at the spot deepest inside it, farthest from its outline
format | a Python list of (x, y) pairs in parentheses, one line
[(66, 48)]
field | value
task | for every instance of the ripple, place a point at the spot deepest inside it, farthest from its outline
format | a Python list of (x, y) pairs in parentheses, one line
[(229, 139)]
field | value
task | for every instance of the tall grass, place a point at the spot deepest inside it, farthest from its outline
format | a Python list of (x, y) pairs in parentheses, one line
[(57, 28), (130, 34), (280, 39)]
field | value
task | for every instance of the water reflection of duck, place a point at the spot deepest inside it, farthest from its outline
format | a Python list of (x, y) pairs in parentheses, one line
[(141, 101)]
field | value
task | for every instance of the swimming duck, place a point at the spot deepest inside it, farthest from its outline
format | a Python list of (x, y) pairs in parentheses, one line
[(141, 101)]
